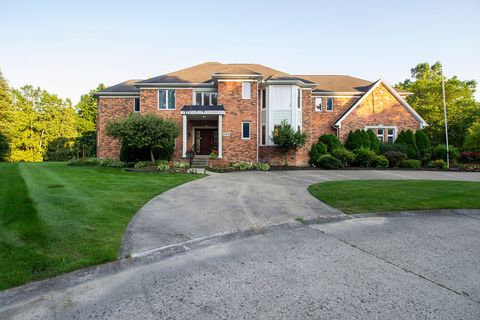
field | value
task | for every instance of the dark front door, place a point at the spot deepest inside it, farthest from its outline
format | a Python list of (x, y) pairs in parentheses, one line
[(204, 141)]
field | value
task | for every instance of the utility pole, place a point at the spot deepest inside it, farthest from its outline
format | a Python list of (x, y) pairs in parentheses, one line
[(445, 118)]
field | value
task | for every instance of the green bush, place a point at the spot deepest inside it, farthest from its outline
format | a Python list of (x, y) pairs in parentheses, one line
[(318, 149), (407, 138), (410, 163), (357, 139), (380, 161), (143, 164), (424, 146), (374, 142), (261, 166), (439, 164), (112, 163), (440, 153), (329, 162), (364, 157), (162, 166), (331, 141), (395, 157), (346, 156), (84, 162), (132, 154), (388, 146)]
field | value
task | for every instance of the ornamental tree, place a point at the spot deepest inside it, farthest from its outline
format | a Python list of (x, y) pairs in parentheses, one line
[(144, 131), (285, 137)]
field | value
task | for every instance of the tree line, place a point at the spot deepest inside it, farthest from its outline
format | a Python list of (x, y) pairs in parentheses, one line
[(36, 125)]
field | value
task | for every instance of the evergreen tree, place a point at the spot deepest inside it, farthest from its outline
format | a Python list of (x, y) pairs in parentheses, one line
[(407, 138)]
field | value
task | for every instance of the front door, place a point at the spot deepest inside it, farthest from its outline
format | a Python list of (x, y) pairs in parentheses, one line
[(204, 141)]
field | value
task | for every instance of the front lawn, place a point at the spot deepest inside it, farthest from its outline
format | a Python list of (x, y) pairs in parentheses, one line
[(362, 196), (55, 218)]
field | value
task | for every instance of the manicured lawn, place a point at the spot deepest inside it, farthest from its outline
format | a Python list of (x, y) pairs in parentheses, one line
[(362, 196), (55, 218)]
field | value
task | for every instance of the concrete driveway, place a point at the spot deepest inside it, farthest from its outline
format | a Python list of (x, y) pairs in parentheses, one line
[(223, 203), (397, 266)]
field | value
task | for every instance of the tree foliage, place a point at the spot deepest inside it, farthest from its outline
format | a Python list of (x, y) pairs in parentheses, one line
[(357, 139), (424, 146), (472, 141), (462, 109), (87, 110), (288, 139), (407, 138), (331, 141), (144, 131), (374, 142)]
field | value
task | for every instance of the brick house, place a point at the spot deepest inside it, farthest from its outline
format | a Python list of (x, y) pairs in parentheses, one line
[(233, 109)]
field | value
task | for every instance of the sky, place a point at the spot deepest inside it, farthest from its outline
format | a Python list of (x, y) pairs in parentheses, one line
[(69, 47)]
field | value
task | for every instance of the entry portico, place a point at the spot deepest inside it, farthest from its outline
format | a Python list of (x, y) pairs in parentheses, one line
[(205, 122)]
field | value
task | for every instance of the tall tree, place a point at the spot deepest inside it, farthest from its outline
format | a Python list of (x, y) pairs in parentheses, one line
[(87, 110), (462, 109)]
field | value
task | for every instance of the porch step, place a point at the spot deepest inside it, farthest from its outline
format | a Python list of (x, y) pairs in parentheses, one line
[(200, 162)]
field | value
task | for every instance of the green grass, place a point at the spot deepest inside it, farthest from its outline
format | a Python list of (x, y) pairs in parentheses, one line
[(55, 218), (363, 196)]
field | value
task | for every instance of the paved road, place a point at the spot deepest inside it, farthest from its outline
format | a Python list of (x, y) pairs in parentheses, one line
[(227, 202), (398, 266)]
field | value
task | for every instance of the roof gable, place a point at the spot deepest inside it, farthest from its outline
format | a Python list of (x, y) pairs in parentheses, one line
[(393, 92)]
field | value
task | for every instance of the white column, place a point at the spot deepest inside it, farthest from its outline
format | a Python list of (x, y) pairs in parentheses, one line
[(184, 142), (220, 136)]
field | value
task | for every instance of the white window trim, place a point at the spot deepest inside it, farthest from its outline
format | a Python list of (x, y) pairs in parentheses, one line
[(321, 104), (203, 93), (249, 130), (333, 104), (166, 95), (246, 96), (134, 99)]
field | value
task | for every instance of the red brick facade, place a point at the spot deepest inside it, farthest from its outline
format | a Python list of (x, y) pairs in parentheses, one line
[(378, 108)]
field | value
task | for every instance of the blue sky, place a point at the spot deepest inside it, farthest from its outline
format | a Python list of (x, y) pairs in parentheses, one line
[(68, 47)]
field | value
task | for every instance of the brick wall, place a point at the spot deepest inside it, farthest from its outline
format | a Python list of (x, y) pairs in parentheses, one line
[(380, 107), (111, 109), (236, 111)]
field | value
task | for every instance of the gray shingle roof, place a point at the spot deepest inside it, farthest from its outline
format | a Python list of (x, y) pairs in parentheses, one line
[(126, 86)]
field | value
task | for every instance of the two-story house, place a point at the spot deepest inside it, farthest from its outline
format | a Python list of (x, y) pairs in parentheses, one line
[(233, 109)]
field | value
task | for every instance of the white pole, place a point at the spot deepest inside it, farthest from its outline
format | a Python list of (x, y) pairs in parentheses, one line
[(445, 118)]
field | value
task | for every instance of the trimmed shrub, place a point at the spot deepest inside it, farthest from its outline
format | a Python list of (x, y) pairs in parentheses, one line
[(364, 157), (439, 164), (143, 164), (331, 141), (84, 162), (380, 161), (261, 166), (112, 163), (346, 156), (407, 138), (440, 153), (410, 163), (318, 149), (395, 157), (374, 142), (357, 139), (163, 166), (388, 146), (329, 162), (424, 146)]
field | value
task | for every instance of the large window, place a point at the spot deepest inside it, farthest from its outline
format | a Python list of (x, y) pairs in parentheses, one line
[(264, 135), (318, 104), (246, 88), (245, 130), (166, 99), (264, 98), (206, 98), (136, 105), (329, 104), (384, 134)]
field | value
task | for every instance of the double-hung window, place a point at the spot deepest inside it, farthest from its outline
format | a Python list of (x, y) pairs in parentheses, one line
[(246, 88), (380, 134), (391, 135), (245, 130), (318, 104), (206, 98), (329, 104), (166, 99), (136, 105)]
